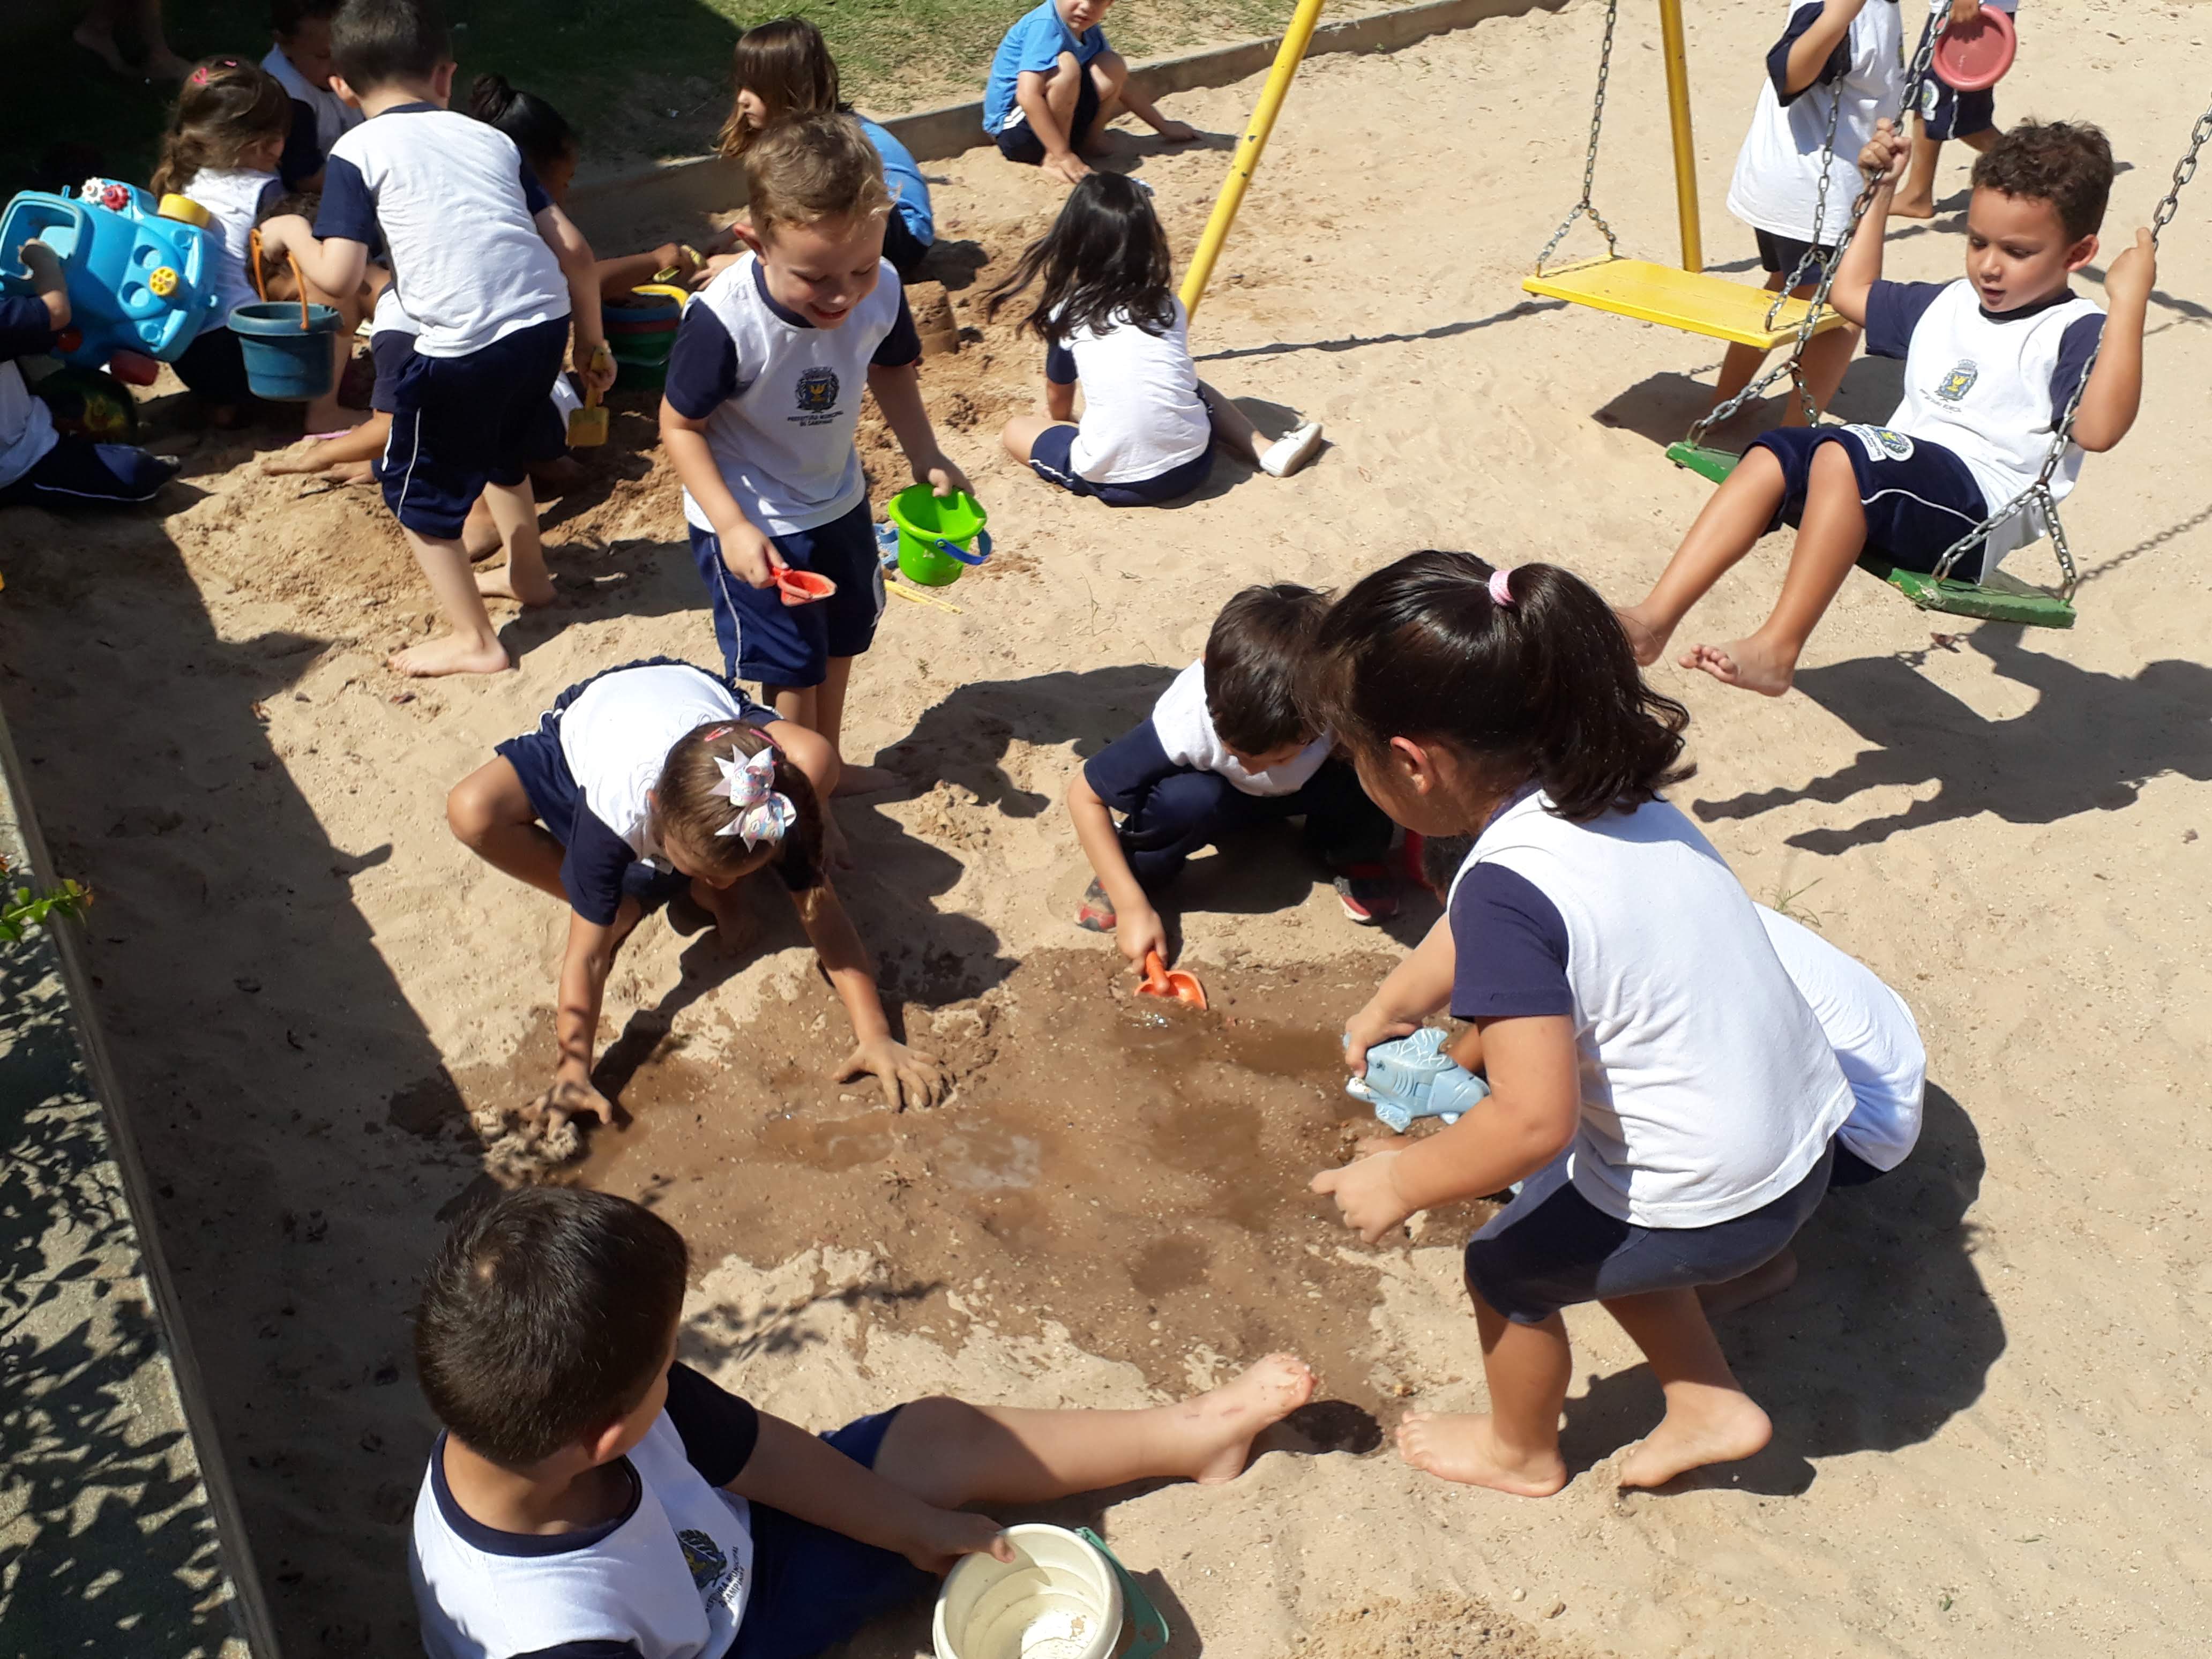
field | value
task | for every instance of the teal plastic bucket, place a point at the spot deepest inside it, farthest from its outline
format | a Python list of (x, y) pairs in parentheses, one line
[(287, 348), (935, 532)]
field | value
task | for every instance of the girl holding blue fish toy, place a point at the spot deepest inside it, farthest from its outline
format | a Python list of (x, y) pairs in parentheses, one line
[(1111, 322), (1657, 1085)]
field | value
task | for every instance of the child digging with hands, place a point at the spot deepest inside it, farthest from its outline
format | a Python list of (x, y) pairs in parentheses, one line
[(1111, 321), (654, 780), (761, 404), (1054, 85), (1991, 363), (590, 1497), (1657, 1083), (493, 276)]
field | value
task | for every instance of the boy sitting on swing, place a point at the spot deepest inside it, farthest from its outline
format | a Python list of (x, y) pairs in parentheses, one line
[(1991, 363)]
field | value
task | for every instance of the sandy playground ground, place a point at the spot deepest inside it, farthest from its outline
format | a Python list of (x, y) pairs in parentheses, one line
[(1987, 1386)]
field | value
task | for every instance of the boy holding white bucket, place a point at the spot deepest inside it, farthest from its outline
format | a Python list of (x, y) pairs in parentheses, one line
[(591, 1496)]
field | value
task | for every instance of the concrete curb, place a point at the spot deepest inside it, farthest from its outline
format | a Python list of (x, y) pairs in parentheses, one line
[(703, 184), (76, 1123)]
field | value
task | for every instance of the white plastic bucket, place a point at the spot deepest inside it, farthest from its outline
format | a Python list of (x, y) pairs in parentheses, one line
[(1058, 1599)]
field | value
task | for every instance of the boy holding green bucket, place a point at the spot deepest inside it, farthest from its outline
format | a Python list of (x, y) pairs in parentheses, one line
[(762, 399)]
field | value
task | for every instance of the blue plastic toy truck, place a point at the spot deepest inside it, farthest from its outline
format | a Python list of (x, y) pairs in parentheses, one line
[(140, 283)]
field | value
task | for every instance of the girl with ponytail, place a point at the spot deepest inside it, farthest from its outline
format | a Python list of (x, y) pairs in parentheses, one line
[(657, 780), (1660, 1094)]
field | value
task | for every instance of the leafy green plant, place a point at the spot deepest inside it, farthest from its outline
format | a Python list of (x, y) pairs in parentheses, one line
[(23, 908)]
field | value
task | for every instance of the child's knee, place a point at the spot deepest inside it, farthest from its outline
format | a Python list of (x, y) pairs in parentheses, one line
[(931, 1447), (1108, 74), (472, 808), (1831, 470)]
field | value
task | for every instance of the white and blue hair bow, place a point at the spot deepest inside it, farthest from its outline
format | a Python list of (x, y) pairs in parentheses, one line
[(749, 785)]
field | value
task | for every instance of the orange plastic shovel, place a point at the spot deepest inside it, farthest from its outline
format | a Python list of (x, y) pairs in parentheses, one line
[(1162, 980), (803, 587)]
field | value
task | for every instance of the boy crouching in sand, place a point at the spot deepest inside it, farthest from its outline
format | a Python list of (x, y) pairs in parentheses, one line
[(590, 1495), (1991, 363)]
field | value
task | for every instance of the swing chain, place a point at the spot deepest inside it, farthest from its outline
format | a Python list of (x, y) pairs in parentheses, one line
[(1589, 160), (1923, 57), (2037, 496)]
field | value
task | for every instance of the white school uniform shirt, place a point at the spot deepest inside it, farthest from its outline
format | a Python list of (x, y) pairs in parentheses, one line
[(1708, 1087), (671, 1576), (781, 398), (1989, 388), (456, 204), (1873, 1034), (1186, 734), (234, 197), (27, 425), (334, 116), (1776, 185), (617, 735), (1142, 415)]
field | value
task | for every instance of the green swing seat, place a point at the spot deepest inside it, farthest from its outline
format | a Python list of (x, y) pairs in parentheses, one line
[(1996, 597)]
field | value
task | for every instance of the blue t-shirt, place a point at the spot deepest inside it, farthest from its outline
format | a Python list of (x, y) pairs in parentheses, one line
[(908, 189), (1033, 45)]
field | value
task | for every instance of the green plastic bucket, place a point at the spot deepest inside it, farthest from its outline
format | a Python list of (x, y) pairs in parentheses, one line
[(934, 532)]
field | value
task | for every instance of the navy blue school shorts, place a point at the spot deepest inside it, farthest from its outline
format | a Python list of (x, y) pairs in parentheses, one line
[(1553, 1249), (1019, 141), (1950, 113), (213, 368), (77, 473), (1918, 497), (813, 1588), (458, 423), (1050, 459), (1784, 254), (774, 644)]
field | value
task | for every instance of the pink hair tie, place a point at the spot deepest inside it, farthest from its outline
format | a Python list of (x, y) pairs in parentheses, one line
[(1501, 587), (199, 77)]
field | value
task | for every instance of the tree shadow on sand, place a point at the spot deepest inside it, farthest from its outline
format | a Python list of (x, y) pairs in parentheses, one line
[(2089, 744), (1888, 1333)]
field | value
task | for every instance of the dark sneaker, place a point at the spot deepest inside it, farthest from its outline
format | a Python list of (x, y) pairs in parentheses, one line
[(1097, 911), (1367, 893)]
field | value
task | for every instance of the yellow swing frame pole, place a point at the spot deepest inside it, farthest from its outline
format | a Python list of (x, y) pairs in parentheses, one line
[(1246, 160), (1678, 119)]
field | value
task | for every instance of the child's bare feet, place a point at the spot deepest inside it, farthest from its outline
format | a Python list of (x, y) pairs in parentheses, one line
[(1645, 638), (1749, 665), (1770, 1280), (1220, 1424), (1912, 207), (505, 582), (450, 654), (1462, 1446), (1703, 1424), (867, 780)]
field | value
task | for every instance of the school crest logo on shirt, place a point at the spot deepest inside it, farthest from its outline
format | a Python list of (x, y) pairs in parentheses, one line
[(818, 392), (1954, 386), (704, 1556)]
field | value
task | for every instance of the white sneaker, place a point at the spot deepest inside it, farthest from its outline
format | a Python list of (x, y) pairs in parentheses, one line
[(1291, 451)]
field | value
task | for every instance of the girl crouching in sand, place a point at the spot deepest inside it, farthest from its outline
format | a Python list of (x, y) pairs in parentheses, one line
[(657, 779), (1658, 1083)]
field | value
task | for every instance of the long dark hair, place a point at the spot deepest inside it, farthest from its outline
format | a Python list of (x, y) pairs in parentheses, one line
[(1543, 688), (1104, 263), (225, 107), (541, 132), (690, 814)]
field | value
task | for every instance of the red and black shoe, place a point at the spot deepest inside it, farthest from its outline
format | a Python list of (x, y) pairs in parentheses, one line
[(1097, 911), (1367, 893)]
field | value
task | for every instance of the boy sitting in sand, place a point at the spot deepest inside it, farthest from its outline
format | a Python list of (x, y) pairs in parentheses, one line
[(1056, 84), (591, 1495), (1225, 749), (1991, 362)]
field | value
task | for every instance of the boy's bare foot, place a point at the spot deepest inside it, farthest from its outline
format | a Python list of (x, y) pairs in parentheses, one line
[(1749, 665), (1761, 1282), (450, 654), (1701, 1425), (1912, 207), (1221, 1423), (1462, 1446), (501, 583), (1645, 639), (867, 780)]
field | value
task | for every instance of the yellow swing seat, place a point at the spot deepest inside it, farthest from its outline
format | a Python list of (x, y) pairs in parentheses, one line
[(1696, 303)]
